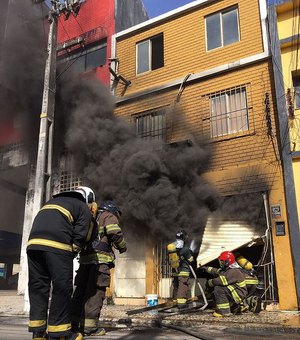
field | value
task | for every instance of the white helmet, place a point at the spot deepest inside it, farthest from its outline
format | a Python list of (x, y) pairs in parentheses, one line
[(87, 193)]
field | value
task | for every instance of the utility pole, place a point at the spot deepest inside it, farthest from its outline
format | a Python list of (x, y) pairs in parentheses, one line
[(42, 183), (42, 192), (44, 154)]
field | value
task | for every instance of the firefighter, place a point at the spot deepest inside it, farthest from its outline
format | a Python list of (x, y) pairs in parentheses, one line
[(250, 277), (253, 299), (93, 275), (180, 258), (228, 284), (59, 231)]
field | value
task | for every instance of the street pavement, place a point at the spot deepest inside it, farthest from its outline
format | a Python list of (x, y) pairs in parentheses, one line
[(13, 331), (269, 324), (14, 328)]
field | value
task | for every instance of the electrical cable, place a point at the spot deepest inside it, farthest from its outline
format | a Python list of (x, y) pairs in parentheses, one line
[(82, 31), (69, 65)]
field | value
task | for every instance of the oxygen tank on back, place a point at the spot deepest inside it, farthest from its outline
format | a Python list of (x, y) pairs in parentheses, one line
[(243, 262), (173, 256)]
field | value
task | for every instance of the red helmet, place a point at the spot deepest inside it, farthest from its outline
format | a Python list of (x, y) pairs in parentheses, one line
[(226, 258)]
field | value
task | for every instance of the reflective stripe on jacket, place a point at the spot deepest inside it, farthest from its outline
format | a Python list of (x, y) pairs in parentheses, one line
[(61, 223), (110, 235), (233, 279)]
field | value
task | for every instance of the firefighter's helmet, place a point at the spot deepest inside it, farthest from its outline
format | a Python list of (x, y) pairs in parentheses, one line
[(87, 193), (111, 207), (226, 258), (181, 235)]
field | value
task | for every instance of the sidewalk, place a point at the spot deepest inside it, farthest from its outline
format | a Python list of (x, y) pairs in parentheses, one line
[(12, 304)]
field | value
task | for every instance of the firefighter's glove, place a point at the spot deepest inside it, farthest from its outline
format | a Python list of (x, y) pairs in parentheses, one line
[(76, 249), (93, 208), (122, 250), (209, 284), (204, 269)]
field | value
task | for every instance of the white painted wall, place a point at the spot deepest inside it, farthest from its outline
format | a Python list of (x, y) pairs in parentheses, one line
[(130, 271)]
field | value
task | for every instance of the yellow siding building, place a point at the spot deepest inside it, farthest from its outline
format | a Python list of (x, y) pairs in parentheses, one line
[(206, 69), (284, 25), (288, 31)]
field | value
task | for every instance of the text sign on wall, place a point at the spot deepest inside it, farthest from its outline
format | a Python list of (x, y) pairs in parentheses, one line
[(275, 211)]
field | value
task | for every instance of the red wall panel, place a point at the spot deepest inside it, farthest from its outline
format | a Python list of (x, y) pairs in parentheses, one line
[(93, 14)]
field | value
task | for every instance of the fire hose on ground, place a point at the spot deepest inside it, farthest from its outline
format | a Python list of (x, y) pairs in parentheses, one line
[(200, 287), (184, 330)]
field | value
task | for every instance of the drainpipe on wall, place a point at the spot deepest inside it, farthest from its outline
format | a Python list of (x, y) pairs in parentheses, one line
[(269, 241), (286, 153)]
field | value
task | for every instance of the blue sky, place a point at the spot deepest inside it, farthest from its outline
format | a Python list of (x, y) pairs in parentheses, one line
[(158, 7)]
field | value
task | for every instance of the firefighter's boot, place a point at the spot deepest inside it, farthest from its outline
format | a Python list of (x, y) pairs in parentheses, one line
[(39, 336), (239, 309), (75, 336), (254, 304), (219, 315), (98, 332), (72, 336)]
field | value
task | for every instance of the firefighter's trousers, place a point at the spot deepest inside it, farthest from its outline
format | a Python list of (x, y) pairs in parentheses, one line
[(91, 282), (181, 289), (45, 268), (224, 299)]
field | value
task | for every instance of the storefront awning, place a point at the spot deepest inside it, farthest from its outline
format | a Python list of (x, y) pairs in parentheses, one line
[(221, 236)]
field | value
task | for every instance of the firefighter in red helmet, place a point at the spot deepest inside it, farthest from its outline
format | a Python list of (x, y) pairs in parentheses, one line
[(228, 284)]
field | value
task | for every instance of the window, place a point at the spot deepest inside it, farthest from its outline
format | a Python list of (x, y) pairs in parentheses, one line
[(229, 112), (87, 59), (151, 125), (68, 181), (296, 84), (150, 54), (222, 29)]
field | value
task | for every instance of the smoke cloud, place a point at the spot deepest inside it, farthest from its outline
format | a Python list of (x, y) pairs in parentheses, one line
[(22, 60), (159, 188)]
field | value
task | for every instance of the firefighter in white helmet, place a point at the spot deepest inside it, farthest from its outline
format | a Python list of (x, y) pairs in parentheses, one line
[(180, 258), (60, 230)]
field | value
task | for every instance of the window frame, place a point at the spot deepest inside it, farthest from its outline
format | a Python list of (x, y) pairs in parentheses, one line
[(221, 13), (150, 54), (155, 133), (83, 53), (296, 91), (230, 131)]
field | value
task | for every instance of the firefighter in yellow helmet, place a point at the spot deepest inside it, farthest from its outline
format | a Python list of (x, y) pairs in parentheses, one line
[(180, 258), (228, 284)]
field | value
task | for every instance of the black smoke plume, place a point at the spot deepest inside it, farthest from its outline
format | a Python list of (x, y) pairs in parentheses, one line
[(22, 62), (159, 189)]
